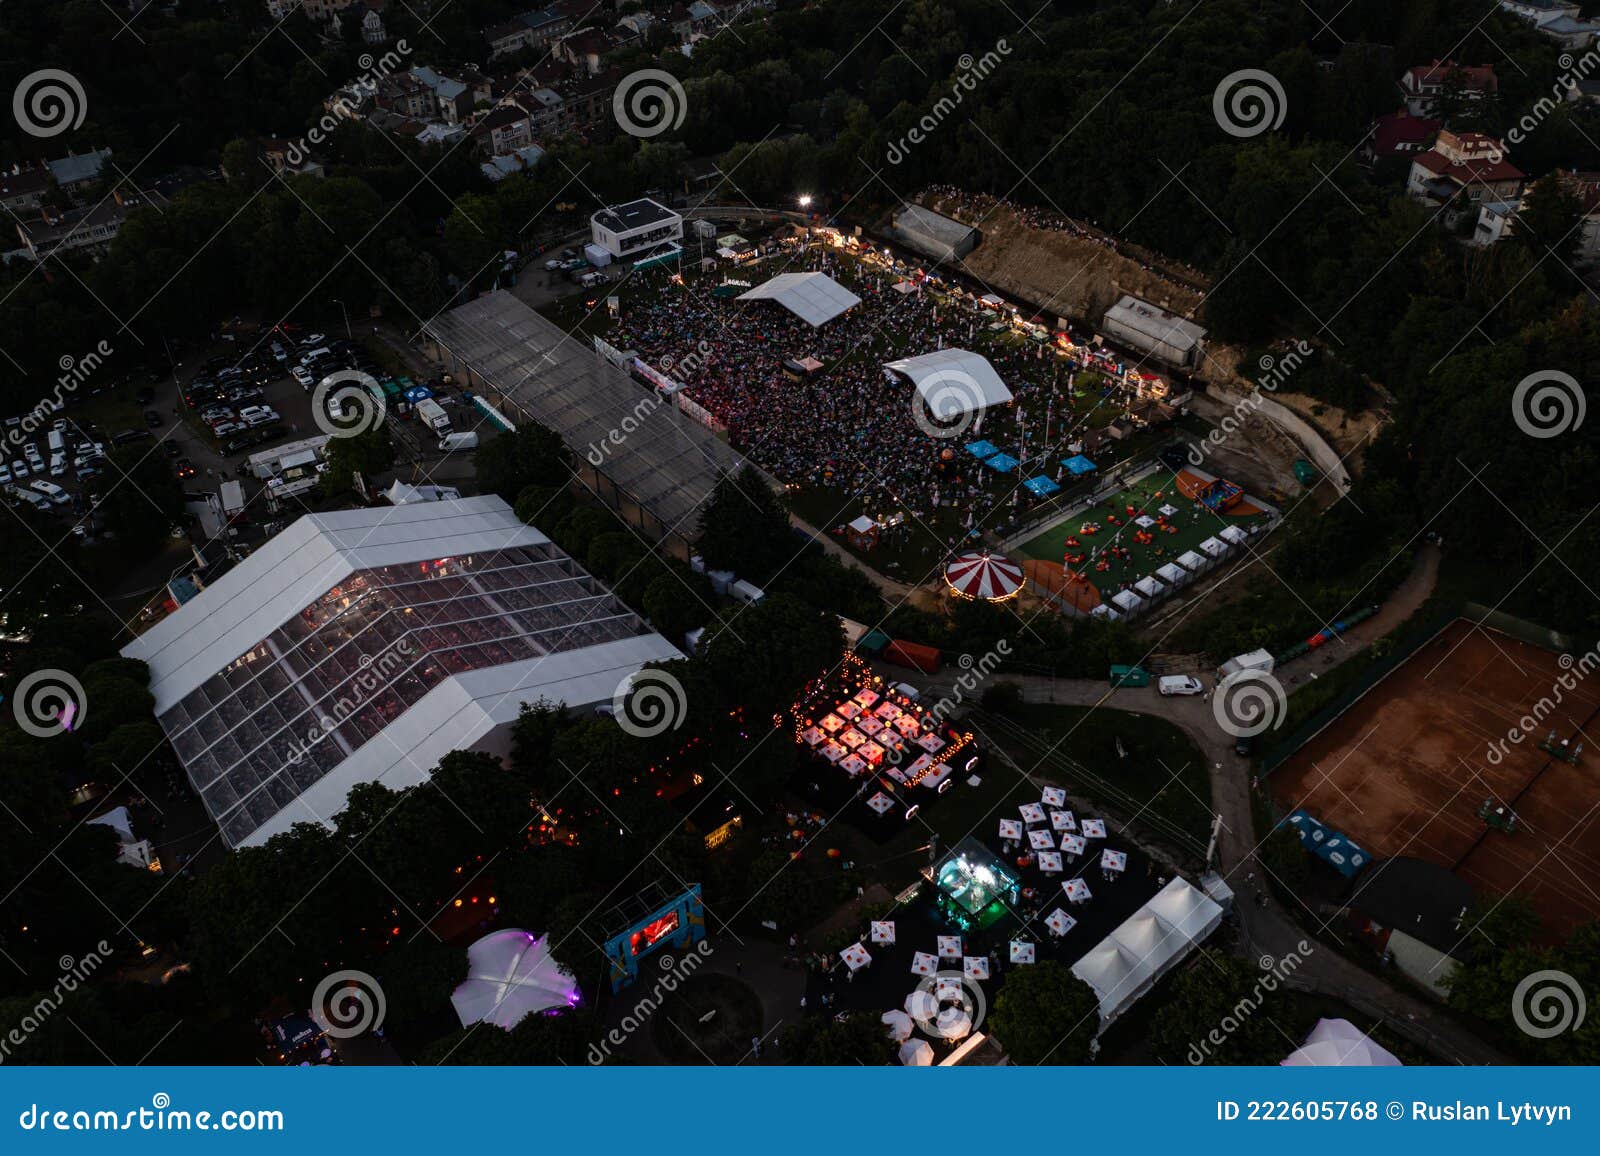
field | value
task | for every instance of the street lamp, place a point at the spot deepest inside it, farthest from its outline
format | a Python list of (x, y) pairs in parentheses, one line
[(805, 200), (346, 313)]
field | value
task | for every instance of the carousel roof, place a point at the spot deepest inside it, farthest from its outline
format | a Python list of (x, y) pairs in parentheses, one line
[(984, 575)]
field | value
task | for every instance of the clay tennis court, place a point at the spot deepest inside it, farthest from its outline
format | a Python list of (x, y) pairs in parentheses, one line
[(1404, 771)]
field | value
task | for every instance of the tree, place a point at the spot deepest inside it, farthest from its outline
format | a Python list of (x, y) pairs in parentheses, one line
[(762, 655), (509, 463), (677, 603), (1218, 1011), (823, 1041), (368, 452), (417, 980), (743, 528), (1285, 859), (1045, 1015), (538, 1039)]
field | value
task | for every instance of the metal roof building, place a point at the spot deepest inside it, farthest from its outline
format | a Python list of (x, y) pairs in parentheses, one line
[(638, 452), (1153, 330), (364, 645)]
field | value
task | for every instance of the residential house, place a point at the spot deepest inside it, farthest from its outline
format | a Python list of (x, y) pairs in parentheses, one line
[(319, 10), (1560, 20), (503, 130), (22, 187), (454, 99), (1398, 134), (1469, 166), (532, 29), (78, 169), (372, 29), (1496, 221), (1423, 85), (405, 95), (81, 229), (634, 27), (585, 48), (1534, 11), (498, 168)]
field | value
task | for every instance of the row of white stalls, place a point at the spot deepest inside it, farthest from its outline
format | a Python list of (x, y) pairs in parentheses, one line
[(1173, 576)]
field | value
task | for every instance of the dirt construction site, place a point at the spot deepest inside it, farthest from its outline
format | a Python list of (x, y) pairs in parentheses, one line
[(1407, 768)]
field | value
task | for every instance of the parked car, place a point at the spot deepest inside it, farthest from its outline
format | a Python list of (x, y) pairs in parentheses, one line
[(173, 449), (5, 473), (302, 375), (1170, 684), (184, 468), (226, 429), (152, 418)]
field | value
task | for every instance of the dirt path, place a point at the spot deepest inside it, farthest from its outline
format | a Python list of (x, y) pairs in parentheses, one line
[(896, 591)]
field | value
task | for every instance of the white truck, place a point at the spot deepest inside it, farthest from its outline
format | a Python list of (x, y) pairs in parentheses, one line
[(1259, 661), (465, 440), (432, 415)]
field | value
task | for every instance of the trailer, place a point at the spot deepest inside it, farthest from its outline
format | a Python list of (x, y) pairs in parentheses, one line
[(432, 415)]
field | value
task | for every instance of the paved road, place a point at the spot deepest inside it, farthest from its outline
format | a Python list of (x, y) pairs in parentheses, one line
[(1270, 929)]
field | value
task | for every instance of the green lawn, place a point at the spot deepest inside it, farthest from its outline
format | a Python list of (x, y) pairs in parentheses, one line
[(1147, 496)]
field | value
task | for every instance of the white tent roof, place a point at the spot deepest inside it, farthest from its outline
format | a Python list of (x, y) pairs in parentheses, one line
[(1149, 587), (953, 381), (1189, 560), (916, 1054), (815, 298), (1173, 574), (1213, 548), (1340, 1044), (1234, 535), (1124, 965), (1126, 600), (583, 647), (511, 975)]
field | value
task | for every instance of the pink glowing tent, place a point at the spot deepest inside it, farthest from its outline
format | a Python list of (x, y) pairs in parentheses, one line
[(511, 975)]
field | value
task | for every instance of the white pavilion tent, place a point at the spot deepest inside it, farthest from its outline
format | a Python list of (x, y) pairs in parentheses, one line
[(815, 298), (1149, 943), (1127, 601), (1340, 1044), (953, 381), (1214, 548), (1233, 535), (511, 975), (1149, 588), (1173, 574), (1193, 563)]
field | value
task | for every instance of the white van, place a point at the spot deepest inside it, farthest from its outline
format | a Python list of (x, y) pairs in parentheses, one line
[(57, 442), (51, 492), (37, 501), (1179, 684), (58, 464)]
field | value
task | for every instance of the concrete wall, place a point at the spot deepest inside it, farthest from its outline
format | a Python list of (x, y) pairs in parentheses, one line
[(1321, 454)]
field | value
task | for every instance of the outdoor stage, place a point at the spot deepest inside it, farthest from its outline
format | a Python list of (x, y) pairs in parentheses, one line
[(1405, 769)]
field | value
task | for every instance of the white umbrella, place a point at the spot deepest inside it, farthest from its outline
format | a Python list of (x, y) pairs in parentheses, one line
[(898, 1025), (953, 1024), (921, 1006), (916, 1054)]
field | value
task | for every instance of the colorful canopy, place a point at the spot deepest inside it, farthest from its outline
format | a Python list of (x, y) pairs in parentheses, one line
[(1042, 486), (985, 576), (1078, 465), (1002, 463)]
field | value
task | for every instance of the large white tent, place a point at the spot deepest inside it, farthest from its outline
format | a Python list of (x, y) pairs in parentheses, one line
[(1126, 964), (510, 976), (815, 298), (1340, 1044), (953, 381)]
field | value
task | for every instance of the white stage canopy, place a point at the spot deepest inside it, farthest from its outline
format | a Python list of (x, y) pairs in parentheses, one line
[(511, 975), (815, 298), (953, 381)]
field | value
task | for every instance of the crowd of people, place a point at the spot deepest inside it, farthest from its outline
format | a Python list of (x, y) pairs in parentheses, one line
[(852, 426)]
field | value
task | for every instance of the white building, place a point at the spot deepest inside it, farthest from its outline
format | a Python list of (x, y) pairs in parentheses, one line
[(364, 645), (1156, 331), (628, 231)]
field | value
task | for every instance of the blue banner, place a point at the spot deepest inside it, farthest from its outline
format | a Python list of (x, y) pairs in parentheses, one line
[(1117, 1111)]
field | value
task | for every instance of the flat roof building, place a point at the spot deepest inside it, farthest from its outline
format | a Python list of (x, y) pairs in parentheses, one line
[(364, 645), (934, 235), (628, 230)]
